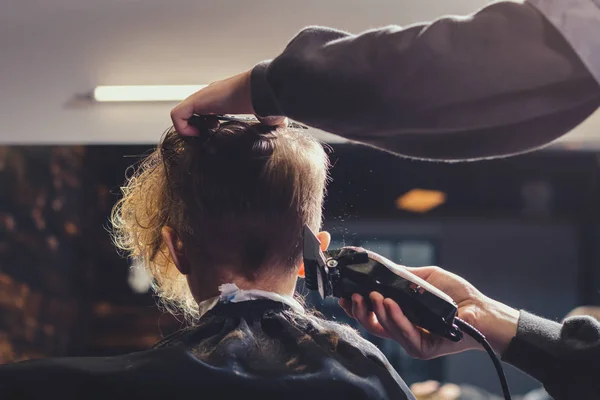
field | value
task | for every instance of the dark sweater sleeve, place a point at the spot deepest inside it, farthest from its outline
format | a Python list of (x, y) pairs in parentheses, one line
[(564, 358), (499, 82)]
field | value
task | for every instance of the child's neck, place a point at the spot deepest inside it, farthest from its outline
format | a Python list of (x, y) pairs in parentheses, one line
[(282, 284)]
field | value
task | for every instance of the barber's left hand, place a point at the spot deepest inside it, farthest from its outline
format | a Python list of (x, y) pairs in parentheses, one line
[(229, 96)]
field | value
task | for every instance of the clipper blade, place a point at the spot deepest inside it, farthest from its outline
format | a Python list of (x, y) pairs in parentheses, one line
[(314, 262)]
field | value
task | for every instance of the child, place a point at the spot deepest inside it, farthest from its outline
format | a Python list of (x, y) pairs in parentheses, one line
[(218, 220)]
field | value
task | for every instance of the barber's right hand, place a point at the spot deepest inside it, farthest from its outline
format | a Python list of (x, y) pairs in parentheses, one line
[(495, 320)]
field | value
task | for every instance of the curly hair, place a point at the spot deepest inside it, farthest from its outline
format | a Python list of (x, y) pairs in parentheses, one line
[(237, 195)]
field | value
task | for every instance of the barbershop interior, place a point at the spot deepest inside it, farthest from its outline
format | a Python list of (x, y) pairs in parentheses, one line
[(86, 91)]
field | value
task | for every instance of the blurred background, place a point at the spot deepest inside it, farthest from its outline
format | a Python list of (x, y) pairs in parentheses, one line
[(525, 230)]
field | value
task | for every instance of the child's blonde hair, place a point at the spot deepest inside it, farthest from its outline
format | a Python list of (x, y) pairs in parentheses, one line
[(237, 195)]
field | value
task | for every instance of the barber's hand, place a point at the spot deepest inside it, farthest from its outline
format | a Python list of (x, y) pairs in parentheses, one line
[(495, 320), (229, 96), (431, 390)]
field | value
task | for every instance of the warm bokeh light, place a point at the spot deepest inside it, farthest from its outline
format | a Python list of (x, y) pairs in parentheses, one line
[(420, 200)]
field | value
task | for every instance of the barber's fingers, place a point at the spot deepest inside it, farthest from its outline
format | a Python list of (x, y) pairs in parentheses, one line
[(180, 116), (384, 320), (399, 320), (346, 306), (425, 389), (367, 318), (274, 121), (393, 320), (424, 272), (449, 391)]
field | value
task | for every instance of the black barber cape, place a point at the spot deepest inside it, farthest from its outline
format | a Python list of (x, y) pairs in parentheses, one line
[(250, 350)]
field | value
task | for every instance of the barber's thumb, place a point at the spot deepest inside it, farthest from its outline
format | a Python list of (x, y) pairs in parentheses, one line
[(422, 272), (274, 120)]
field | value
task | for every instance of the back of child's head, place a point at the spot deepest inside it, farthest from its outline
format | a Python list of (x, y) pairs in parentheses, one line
[(237, 195)]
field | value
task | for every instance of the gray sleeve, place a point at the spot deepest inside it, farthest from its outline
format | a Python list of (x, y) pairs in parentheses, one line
[(564, 358), (579, 23), (499, 82)]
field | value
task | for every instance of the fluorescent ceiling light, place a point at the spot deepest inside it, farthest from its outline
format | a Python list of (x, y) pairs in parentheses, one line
[(135, 93), (420, 200)]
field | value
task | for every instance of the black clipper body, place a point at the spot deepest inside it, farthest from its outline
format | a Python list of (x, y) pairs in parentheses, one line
[(340, 273)]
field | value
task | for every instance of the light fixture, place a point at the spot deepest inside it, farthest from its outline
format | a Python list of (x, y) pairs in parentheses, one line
[(420, 200), (135, 93)]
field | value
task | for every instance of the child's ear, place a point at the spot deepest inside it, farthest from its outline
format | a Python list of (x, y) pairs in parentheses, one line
[(325, 240), (301, 270), (176, 250)]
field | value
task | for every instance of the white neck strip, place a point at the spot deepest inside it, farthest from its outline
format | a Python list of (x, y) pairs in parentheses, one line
[(230, 293)]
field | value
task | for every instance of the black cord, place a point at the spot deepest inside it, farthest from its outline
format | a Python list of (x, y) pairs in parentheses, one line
[(480, 338)]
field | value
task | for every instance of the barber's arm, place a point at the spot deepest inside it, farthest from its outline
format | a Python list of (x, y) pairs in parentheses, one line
[(565, 358), (502, 81)]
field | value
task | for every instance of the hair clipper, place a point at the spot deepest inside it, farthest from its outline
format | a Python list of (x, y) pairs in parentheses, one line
[(341, 273)]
